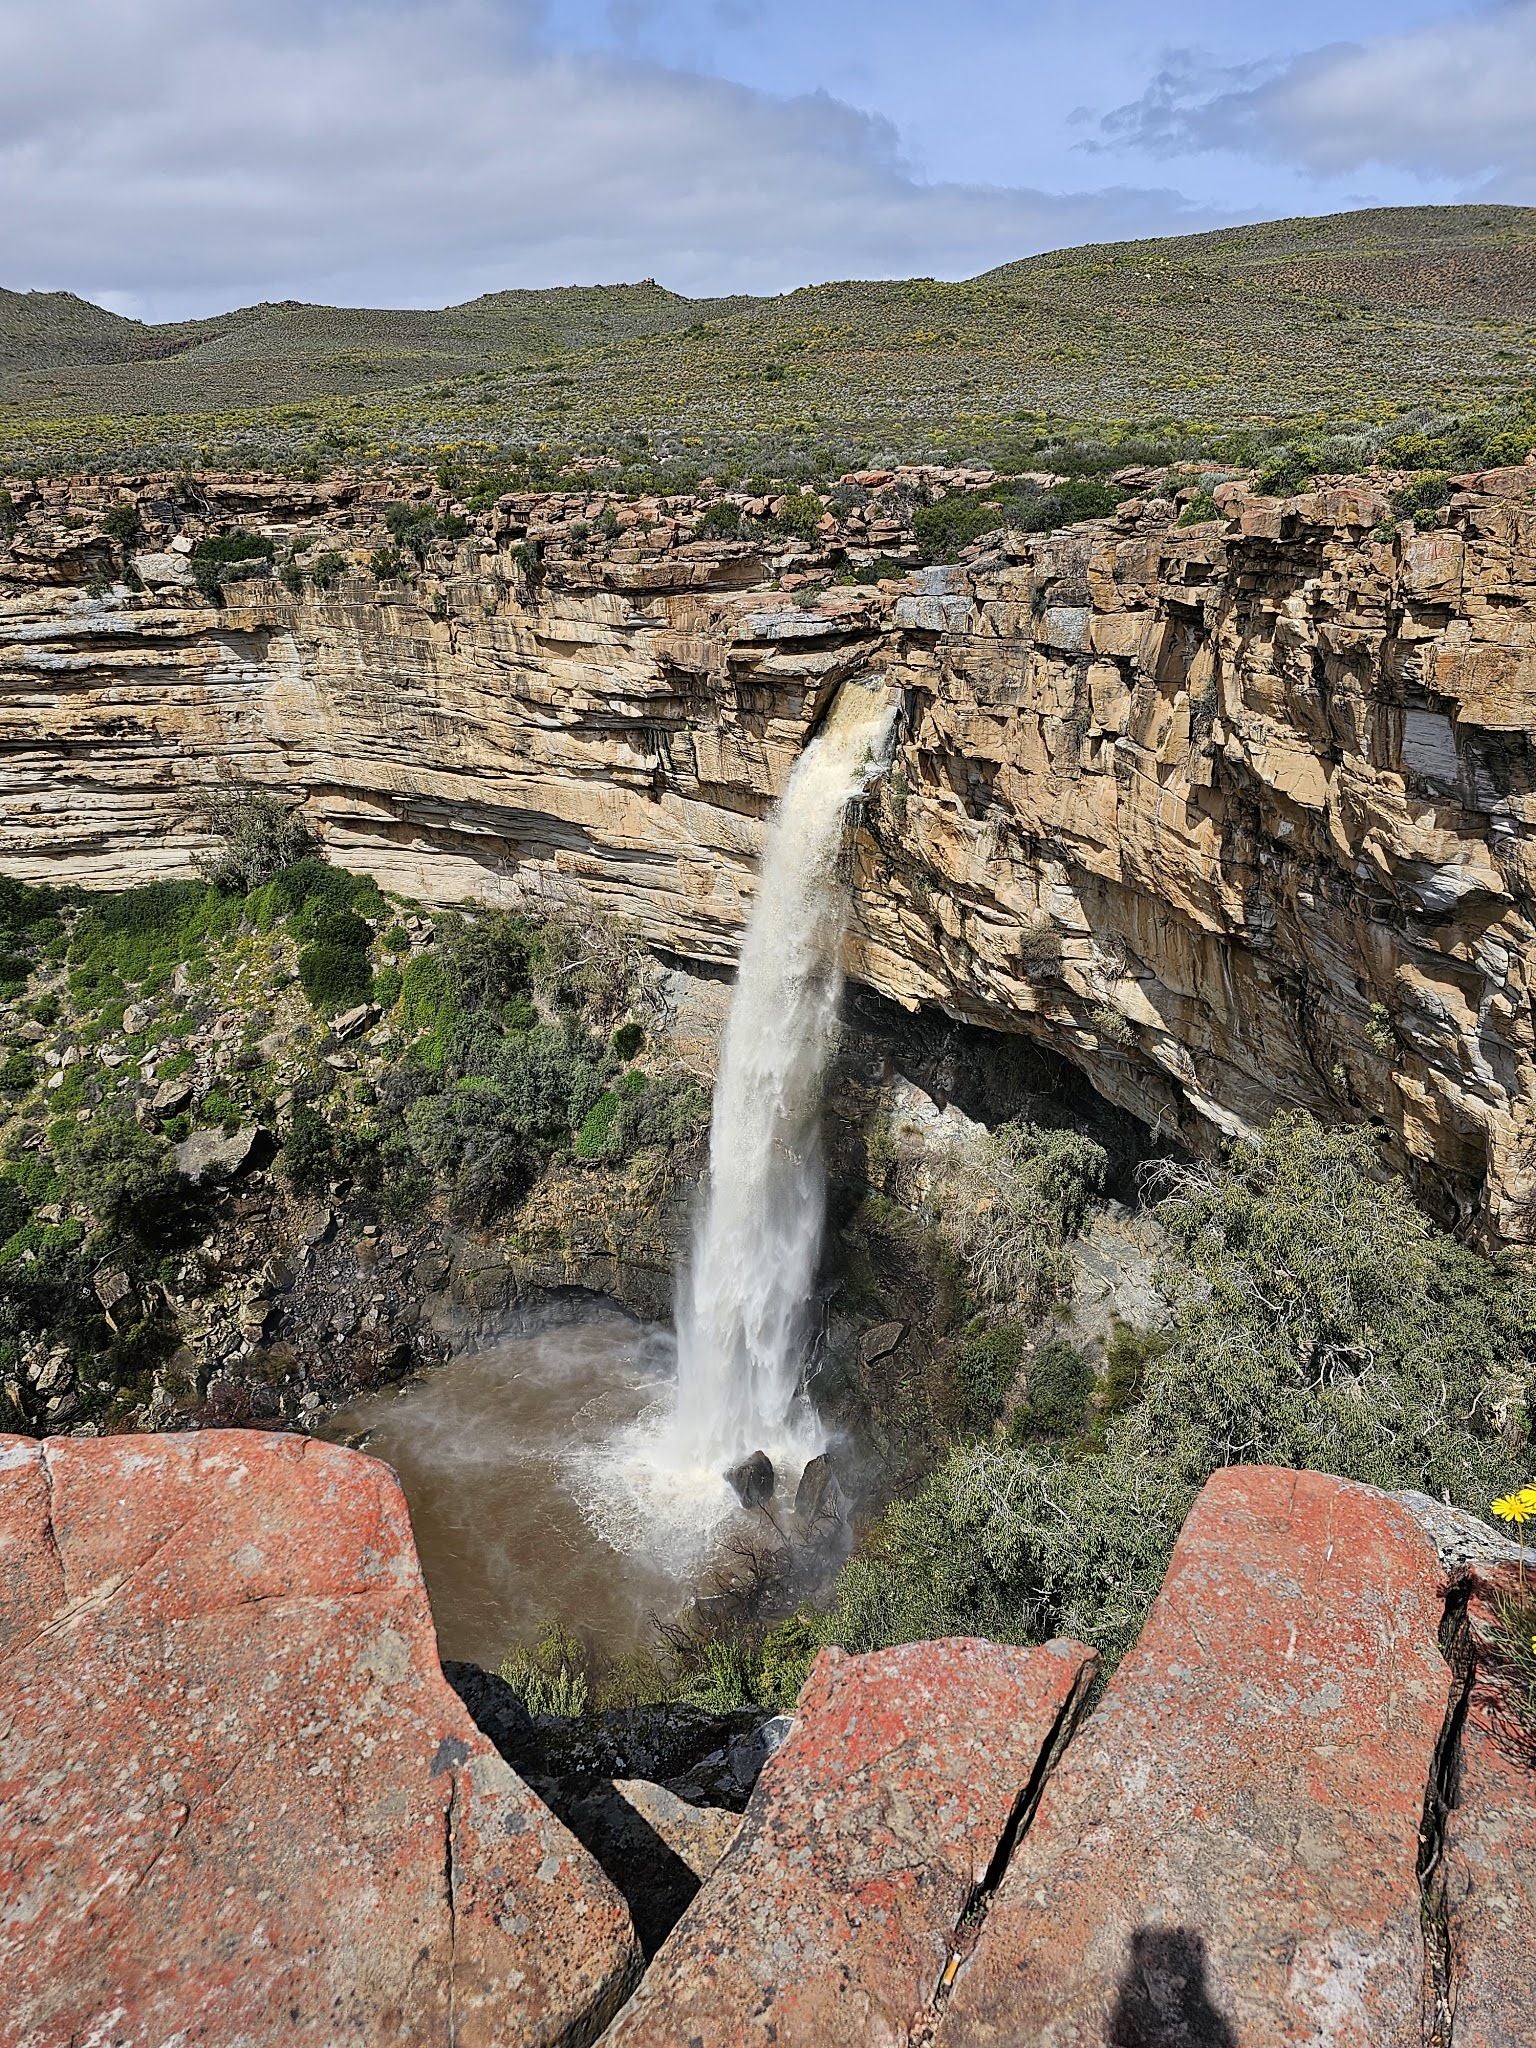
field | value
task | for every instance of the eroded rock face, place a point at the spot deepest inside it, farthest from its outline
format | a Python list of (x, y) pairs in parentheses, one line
[(829, 1921), (1237, 815), (239, 1803), (1229, 1847)]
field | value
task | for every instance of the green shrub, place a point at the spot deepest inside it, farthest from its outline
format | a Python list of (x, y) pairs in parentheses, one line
[(1058, 1384), (946, 528), (387, 565), (325, 568), (598, 1136), (122, 1174), (121, 523), (425, 996), (1289, 472), (237, 547), (1423, 497), (627, 1041), (800, 514), (1007, 1207), (309, 1151), (721, 521), (986, 1364), (551, 1674), (334, 977), (488, 959), (1199, 508), (18, 1072), (1319, 1322)]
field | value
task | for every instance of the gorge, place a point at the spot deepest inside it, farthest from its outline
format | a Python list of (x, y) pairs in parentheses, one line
[(1233, 814), (1206, 818)]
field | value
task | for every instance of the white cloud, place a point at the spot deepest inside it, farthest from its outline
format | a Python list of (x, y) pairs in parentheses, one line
[(1448, 102), (185, 155)]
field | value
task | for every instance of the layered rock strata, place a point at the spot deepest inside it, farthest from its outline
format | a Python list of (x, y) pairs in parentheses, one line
[(239, 1803), (1237, 814)]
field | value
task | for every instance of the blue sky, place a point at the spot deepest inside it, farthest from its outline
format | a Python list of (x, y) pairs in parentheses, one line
[(173, 157)]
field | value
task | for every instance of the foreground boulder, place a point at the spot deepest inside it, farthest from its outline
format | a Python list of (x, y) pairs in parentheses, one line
[(1482, 1895), (1228, 1852), (833, 1915), (239, 1803)]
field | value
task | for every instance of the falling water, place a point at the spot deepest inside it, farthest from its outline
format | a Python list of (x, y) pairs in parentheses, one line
[(744, 1296), (743, 1301)]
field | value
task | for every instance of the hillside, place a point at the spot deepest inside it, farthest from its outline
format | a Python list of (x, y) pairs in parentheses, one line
[(1332, 324)]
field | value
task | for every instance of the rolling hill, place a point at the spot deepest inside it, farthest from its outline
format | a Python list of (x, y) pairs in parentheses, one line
[(1335, 324)]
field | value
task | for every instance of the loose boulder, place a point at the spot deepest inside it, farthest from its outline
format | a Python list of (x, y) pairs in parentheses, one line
[(239, 1803), (753, 1480)]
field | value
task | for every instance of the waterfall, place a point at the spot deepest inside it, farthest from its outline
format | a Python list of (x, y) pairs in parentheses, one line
[(744, 1295), (743, 1300)]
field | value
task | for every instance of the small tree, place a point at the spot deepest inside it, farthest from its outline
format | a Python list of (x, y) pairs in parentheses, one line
[(262, 835)]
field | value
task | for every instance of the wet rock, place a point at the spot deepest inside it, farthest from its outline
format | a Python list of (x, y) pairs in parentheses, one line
[(753, 1480), (830, 1918), (1232, 1838), (238, 1801), (818, 1497), (210, 1155)]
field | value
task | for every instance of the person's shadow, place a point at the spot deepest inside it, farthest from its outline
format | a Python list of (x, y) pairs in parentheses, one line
[(1163, 2001)]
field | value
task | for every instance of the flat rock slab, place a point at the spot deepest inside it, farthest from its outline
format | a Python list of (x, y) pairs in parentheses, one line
[(1227, 1853), (239, 1803), (1486, 1882), (831, 1917)]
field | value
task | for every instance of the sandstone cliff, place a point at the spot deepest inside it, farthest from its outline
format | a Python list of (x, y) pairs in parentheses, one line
[(1236, 814)]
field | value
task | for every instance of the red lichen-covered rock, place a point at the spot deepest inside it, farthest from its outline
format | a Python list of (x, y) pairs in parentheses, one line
[(239, 1803), (831, 1917), (1228, 1851), (1485, 1887)]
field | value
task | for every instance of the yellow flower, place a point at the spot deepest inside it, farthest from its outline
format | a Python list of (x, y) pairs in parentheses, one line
[(1518, 1507)]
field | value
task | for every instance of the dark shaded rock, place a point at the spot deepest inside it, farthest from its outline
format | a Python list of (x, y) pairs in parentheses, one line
[(818, 1498), (753, 1480), (1484, 1888), (880, 1342)]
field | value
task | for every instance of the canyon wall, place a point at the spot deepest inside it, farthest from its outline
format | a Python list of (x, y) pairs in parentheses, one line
[(1236, 814)]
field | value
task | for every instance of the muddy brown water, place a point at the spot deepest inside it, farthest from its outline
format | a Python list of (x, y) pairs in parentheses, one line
[(493, 1452)]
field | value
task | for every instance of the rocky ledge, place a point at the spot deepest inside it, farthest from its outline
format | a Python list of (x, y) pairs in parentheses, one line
[(1237, 813), (240, 1805)]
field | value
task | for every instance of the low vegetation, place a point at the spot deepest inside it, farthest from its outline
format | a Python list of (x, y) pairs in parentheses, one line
[(504, 1048), (1291, 343)]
